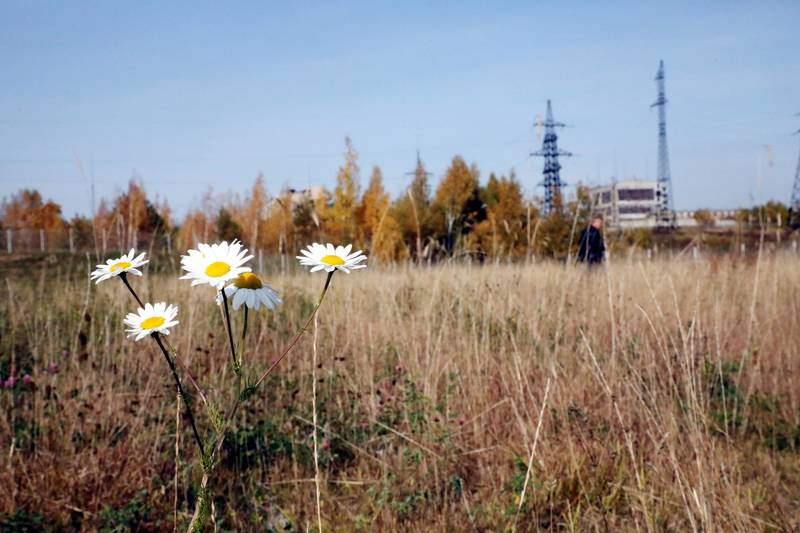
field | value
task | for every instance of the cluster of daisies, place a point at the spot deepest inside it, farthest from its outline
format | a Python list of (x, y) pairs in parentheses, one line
[(222, 266)]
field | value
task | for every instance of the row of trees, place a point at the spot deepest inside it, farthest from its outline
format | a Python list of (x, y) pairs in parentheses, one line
[(460, 217), (124, 220)]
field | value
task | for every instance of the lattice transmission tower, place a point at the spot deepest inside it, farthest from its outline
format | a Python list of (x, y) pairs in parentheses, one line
[(666, 206), (552, 179)]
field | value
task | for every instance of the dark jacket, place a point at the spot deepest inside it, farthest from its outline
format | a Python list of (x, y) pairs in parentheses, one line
[(592, 248)]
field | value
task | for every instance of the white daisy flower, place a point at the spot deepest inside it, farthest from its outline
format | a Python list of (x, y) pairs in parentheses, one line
[(115, 267), (248, 289), (215, 264), (152, 319), (319, 257)]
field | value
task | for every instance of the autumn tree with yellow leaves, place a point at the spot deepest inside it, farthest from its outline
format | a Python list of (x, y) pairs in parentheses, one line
[(504, 231), (457, 207), (252, 213), (131, 215), (379, 231), (27, 210), (340, 218)]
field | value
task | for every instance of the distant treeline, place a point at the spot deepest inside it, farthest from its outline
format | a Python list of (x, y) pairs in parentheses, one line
[(461, 217)]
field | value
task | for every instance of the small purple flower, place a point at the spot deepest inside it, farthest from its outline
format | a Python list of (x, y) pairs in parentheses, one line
[(53, 368), (27, 379), (10, 382), (65, 353)]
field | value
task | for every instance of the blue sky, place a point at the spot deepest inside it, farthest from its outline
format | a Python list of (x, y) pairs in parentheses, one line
[(192, 95)]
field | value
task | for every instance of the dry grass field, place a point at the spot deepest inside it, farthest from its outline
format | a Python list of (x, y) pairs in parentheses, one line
[(653, 396)]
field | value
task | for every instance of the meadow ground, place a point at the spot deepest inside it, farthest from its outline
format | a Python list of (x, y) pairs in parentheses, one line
[(658, 396)]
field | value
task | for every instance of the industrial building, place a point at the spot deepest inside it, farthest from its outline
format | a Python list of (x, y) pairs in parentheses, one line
[(630, 203), (636, 204)]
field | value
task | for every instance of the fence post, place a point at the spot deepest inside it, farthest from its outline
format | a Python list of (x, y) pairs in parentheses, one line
[(104, 241), (41, 239), (169, 243), (71, 242), (10, 241)]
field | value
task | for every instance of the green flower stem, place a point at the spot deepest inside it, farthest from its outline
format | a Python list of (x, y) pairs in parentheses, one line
[(171, 349), (124, 278), (171, 364), (241, 354), (299, 333), (244, 334), (230, 331), (186, 399), (192, 379), (196, 518)]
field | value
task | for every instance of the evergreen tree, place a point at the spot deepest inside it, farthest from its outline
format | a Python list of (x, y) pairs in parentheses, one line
[(305, 223), (153, 219), (82, 232), (227, 228), (412, 211), (491, 193)]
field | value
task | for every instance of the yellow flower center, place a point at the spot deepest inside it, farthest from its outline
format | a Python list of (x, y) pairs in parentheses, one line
[(248, 280), (153, 322), (122, 265), (217, 269), (333, 260)]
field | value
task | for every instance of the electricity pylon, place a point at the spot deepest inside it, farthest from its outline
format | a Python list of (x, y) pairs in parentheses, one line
[(663, 175), (552, 179)]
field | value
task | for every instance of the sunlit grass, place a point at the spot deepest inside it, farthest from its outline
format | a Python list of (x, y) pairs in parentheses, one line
[(672, 402)]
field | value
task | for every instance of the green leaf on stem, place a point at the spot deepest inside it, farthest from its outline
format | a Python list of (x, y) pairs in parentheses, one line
[(216, 418)]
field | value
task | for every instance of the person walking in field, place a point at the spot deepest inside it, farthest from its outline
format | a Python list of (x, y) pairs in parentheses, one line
[(592, 247)]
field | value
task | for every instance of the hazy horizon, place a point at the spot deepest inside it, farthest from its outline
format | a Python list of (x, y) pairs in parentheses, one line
[(196, 95)]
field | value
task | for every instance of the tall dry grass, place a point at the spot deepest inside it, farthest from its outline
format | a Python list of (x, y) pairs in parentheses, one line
[(645, 396)]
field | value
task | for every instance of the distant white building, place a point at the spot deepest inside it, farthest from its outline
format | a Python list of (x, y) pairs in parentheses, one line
[(630, 203), (635, 204)]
